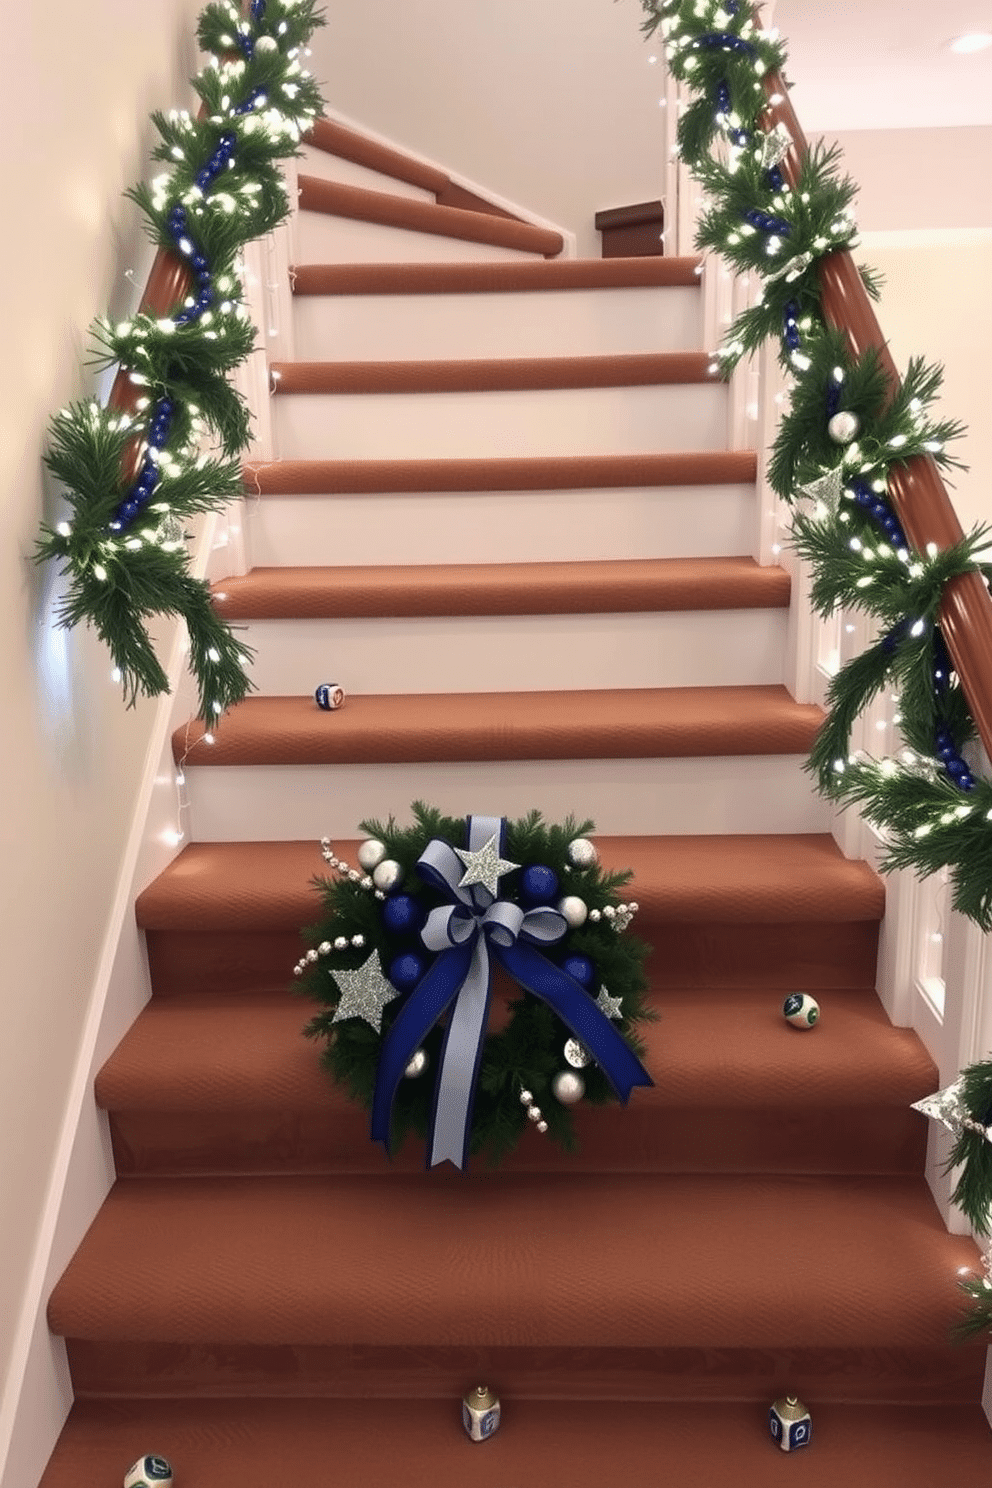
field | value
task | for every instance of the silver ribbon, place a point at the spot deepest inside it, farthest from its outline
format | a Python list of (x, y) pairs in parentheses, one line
[(478, 918)]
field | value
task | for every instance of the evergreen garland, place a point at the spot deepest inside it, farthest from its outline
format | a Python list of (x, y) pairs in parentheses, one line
[(527, 1053), (124, 550), (928, 805)]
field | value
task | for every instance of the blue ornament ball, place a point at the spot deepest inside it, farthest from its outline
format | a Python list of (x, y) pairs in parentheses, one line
[(539, 885), (402, 914), (580, 968), (406, 971)]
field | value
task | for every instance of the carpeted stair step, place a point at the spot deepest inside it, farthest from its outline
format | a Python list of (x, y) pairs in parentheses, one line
[(634, 623), (374, 591), (736, 1090), (420, 1444), (529, 510), (385, 209), (482, 375), (642, 758), (775, 912), (526, 309), (629, 723), (533, 1282), (532, 473), (496, 278)]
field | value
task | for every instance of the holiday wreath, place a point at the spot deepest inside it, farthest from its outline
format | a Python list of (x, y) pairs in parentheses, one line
[(402, 960)]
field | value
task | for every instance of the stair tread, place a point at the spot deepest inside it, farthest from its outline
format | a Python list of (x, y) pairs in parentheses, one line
[(597, 586), (490, 278), (420, 1443), (358, 202), (349, 144), (749, 1056), (607, 723), (531, 473), (491, 1259), (493, 374), (723, 878)]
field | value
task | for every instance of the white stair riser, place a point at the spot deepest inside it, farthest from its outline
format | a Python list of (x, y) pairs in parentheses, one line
[(586, 322), (323, 238), (505, 653), (576, 421), (519, 526), (327, 167), (756, 793)]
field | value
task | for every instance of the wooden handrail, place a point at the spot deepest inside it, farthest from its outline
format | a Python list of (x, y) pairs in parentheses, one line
[(916, 490)]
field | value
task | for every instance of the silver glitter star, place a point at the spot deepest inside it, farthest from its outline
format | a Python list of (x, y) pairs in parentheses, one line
[(826, 488), (948, 1107), (484, 867), (609, 1005), (773, 147), (171, 530), (364, 993)]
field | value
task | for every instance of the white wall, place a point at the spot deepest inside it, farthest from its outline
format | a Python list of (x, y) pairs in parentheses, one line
[(73, 113), (550, 103)]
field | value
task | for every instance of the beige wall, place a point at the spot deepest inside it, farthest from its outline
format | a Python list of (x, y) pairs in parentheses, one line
[(73, 115)]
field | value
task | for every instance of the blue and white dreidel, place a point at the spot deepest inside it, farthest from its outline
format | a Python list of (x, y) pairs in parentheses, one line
[(801, 1010), (150, 1471), (480, 1413), (328, 696), (790, 1424)]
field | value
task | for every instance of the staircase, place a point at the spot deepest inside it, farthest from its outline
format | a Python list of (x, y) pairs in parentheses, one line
[(504, 518)]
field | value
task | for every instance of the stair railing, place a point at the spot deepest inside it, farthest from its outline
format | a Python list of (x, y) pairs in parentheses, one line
[(935, 967)]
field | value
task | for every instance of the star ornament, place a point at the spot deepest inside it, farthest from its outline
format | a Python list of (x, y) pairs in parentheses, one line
[(609, 1005), (484, 867), (947, 1106), (364, 993), (826, 488)]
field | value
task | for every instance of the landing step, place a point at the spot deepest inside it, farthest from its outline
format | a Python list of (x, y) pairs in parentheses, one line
[(616, 587), (629, 723), (371, 1278), (736, 1090), (535, 473), (639, 369), (380, 207), (495, 278), (420, 1444)]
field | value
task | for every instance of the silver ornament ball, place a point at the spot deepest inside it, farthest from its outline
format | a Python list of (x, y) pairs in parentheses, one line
[(418, 1063), (568, 1087), (844, 427), (576, 1054), (371, 853), (574, 909), (581, 852), (387, 875)]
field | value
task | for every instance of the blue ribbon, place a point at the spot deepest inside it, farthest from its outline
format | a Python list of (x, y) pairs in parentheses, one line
[(464, 932)]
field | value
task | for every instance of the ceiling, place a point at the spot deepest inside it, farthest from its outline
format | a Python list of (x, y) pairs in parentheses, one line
[(885, 64)]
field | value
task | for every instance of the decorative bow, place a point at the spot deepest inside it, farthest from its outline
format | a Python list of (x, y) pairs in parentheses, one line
[(464, 933)]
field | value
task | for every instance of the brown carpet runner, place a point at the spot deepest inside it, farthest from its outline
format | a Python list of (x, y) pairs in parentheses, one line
[(357, 202), (608, 587), (491, 278)]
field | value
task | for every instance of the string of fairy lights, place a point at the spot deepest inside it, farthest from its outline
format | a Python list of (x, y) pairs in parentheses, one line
[(123, 549), (842, 433)]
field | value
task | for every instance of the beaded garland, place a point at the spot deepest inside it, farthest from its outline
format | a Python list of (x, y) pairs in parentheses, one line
[(368, 957)]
